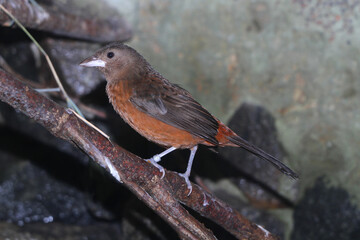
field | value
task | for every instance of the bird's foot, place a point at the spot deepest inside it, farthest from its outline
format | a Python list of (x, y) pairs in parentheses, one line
[(154, 161), (156, 158), (188, 183)]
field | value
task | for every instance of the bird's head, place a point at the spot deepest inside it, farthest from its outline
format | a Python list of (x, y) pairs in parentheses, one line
[(117, 61)]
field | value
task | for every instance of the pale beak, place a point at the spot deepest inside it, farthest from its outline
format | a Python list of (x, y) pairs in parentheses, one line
[(93, 62)]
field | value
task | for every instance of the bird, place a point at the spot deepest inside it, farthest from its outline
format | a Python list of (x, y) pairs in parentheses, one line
[(164, 112)]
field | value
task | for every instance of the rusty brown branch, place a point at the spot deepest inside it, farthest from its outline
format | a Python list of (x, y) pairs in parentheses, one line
[(220, 212), (162, 195), (88, 28), (132, 170)]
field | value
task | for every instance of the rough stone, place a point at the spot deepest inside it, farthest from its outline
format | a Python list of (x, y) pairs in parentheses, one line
[(326, 213)]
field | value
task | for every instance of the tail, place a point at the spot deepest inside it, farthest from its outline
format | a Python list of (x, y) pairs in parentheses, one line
[(260, 153)]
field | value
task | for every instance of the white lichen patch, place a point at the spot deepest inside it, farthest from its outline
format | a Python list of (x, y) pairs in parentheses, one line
[(266, 232), (112, 169), (206, 202)]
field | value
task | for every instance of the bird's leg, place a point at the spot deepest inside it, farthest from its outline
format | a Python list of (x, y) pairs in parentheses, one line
[(157, 158), (186, 174)]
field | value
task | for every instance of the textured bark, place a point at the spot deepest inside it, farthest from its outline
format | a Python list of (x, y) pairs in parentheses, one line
[(89, 28)]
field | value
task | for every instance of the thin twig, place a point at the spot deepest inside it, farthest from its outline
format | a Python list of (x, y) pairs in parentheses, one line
[(91, 125)]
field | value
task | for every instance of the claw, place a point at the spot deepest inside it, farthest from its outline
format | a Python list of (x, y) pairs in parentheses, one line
[(155, 164), (163, 172), (157, 158), (188, 183)]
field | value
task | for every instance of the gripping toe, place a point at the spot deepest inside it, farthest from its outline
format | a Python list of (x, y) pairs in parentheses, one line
[(155, 164), (188, 183)]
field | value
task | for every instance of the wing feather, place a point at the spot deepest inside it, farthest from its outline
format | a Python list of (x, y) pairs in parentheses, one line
[(173, 105)]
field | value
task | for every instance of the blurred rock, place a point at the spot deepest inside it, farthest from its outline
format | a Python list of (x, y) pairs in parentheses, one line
[(66, 55), (227, 190), (256, 125), (326, 213), (55, 231), (28, 194), (140, 222), (19, 55), (19, 129)]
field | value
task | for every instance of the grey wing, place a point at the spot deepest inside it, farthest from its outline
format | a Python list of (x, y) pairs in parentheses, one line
[(178, 109)]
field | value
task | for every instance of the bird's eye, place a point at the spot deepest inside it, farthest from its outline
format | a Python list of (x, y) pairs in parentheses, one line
[(110, 54)]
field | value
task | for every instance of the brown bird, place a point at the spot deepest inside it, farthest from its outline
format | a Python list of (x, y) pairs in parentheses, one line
[(162, 111)]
